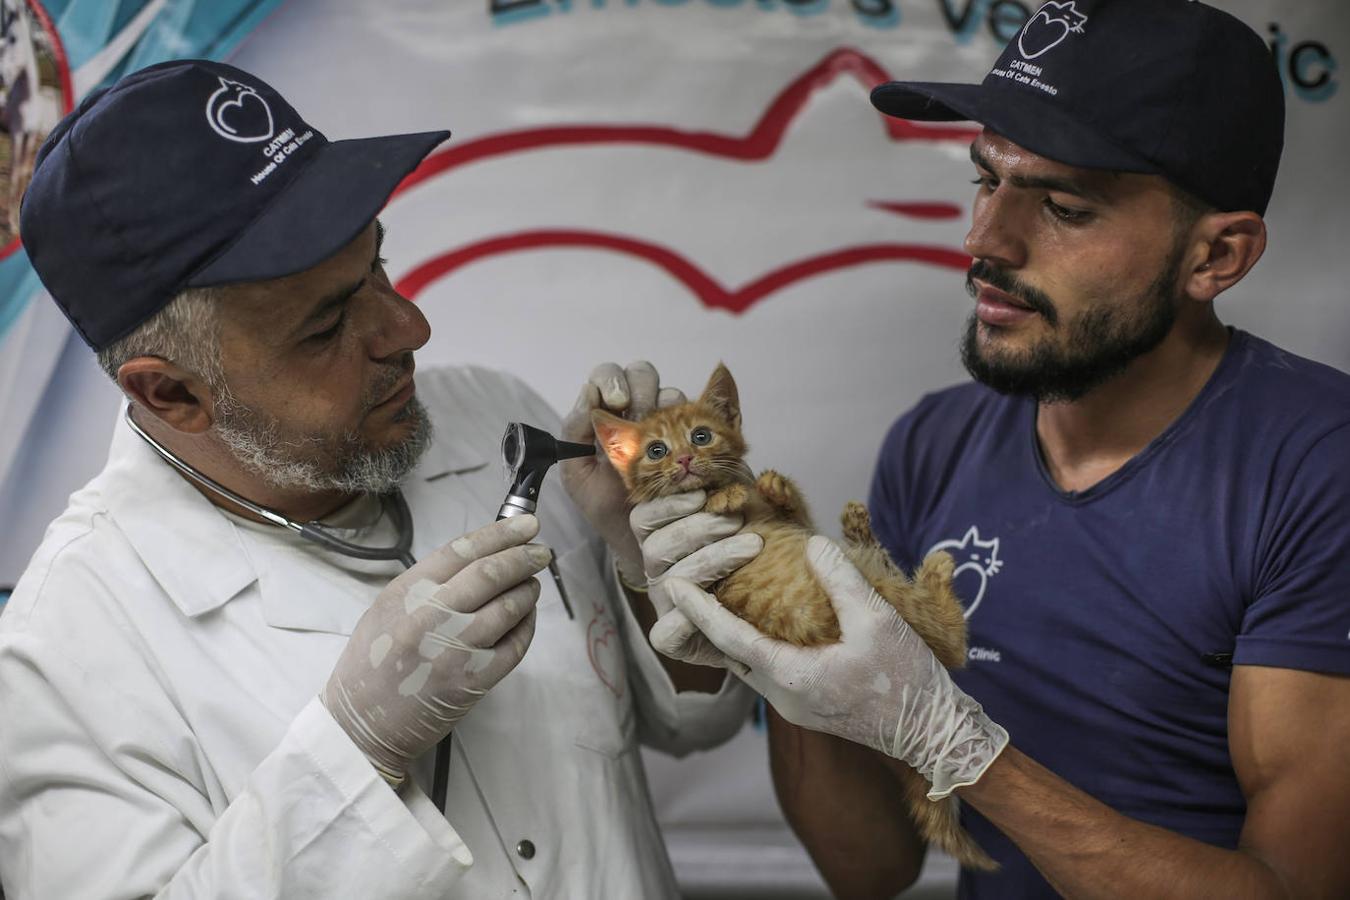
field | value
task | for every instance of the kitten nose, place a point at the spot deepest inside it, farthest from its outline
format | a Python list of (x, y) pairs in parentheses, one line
[(685, 460)]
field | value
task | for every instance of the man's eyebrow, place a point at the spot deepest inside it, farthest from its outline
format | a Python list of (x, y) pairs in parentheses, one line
[(330, 302), (342, 295), (1057, 183), (978, 158)]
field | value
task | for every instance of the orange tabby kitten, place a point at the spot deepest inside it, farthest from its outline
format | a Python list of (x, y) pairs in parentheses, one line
[(699, 445)]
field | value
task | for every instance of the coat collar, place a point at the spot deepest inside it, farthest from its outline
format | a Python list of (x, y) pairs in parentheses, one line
[(203, 560), (189, 546)]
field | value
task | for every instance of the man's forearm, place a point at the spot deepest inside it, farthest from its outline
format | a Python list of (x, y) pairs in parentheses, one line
[(1085, 849), (844, 804)]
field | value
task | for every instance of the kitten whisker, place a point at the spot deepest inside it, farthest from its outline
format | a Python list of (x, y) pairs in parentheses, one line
[(739, 469)]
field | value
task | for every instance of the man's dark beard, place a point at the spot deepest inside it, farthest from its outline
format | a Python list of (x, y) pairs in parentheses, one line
[(1102, 341)]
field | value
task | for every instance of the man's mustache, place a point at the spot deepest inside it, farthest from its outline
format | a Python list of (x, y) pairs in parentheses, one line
[(396, 372), (1035, 300)]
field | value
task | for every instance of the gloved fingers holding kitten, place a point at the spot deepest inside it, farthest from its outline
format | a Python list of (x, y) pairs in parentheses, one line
[(680, 541), (597, 490), (879, 686)]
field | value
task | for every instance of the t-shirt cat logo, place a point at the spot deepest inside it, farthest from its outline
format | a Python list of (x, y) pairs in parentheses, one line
[(976, 562), (237, 113), (1051, 24)]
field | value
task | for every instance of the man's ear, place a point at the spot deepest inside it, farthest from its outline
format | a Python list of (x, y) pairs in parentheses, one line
[(175, 396), (618, 437), (1225, 246)]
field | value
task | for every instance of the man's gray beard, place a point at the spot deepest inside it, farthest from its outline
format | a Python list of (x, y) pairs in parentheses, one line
[(317, 462)]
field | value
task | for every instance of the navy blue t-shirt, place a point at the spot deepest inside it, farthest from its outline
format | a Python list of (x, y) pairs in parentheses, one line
[(1098, 619)]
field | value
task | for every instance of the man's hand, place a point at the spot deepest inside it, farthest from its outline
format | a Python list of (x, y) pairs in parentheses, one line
[(591, 481), (435, 641), (678, 540), (879, 685)]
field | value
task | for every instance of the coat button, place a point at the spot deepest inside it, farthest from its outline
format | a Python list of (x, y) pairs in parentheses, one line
[(525, 849)]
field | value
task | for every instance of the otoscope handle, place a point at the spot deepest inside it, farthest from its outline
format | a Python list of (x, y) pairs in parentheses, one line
[(512, 506), (516, 506)]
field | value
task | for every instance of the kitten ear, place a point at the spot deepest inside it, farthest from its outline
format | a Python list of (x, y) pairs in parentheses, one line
[(619, 438), (721, 395)]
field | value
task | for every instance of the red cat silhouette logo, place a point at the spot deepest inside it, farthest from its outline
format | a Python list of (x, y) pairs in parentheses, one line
[(237, 113), (758, 145), (1051, 24), (976, 562), (604, 651)]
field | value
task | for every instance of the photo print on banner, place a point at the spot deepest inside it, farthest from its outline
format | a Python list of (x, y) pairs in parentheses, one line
[(35, 93)]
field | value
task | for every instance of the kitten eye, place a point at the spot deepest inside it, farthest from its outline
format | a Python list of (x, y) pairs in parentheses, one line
[(701, 437), (656, 450)]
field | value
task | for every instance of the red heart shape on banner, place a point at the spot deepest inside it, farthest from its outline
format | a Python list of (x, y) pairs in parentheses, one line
[(710, 292), (760, 143)]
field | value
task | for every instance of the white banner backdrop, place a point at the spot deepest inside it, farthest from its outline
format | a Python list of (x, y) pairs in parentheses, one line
[(690, 181)]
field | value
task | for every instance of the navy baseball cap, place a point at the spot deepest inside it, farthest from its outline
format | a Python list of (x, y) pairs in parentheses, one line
[(190, 174), (1163, 87)]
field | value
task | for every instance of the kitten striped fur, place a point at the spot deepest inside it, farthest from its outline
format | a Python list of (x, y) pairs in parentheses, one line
[(699, 446)]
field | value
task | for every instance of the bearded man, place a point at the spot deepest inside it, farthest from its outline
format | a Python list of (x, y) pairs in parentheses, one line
[(1149, 511), (216, 678)]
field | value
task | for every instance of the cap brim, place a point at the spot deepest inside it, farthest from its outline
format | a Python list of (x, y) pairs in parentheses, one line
[(1040, 126), (327, 205)]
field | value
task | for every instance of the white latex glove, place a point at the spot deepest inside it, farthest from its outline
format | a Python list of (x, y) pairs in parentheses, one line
[(680, 541), (879, 686), (591, 481), (435, 641)]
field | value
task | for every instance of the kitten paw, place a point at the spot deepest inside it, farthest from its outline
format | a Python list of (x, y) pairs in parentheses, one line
[(730, 499), (857, 524), (776, 489), (938, 569)]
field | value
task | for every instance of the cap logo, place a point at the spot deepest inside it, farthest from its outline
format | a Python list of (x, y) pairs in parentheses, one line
[(236, 112), (1051, 24)]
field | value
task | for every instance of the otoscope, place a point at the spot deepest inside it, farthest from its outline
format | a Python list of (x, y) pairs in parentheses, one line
[(528, 453)]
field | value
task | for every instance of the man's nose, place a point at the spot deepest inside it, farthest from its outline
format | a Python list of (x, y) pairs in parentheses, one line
[(400, 326), (995, 233)]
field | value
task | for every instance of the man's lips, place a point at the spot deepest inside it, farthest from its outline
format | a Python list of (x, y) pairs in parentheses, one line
[(400, 395), (994, 307)]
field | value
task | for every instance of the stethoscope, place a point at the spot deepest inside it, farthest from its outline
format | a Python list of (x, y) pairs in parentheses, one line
[(393, 503), (528, 453)]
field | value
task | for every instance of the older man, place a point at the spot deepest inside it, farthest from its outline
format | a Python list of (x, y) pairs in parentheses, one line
[(210, 686), (1150, 511)]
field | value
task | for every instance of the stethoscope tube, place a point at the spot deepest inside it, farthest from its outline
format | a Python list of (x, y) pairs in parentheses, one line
[(312, 531), (398, 510)]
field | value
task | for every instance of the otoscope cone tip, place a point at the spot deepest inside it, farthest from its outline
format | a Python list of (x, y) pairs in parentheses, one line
[(569, 450)]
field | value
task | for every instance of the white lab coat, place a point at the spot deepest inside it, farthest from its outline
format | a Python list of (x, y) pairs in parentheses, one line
[(160, 733)]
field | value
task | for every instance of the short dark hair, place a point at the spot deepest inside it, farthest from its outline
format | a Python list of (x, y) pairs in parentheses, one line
[(1187, 208)]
